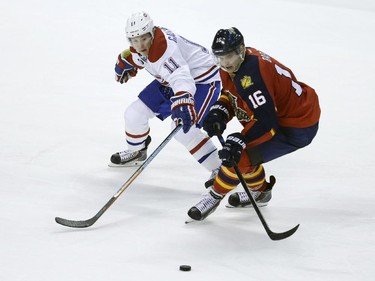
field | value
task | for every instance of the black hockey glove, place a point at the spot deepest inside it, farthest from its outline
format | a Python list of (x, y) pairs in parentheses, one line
[(216, 119), (232, 149)]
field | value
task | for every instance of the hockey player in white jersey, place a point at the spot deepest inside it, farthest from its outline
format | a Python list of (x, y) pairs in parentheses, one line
[(186, 84)]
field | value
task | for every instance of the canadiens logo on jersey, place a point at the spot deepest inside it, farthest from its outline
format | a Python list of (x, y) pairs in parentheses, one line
[(246, 82), (240, 113)]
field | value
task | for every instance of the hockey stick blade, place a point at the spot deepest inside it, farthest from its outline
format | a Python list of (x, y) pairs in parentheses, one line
[(91, 221), (283, 235), (272, 235), (76, 224)]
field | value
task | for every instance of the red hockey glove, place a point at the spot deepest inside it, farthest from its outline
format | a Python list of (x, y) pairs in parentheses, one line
[(123, 69), (183, 109)]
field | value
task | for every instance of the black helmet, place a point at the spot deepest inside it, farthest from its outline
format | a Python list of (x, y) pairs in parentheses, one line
[(226, 41)]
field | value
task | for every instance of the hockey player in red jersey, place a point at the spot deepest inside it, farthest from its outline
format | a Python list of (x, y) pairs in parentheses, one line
[(186, 83), (279, 115)]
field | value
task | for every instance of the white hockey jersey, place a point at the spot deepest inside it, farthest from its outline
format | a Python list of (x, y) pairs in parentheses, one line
[(177, 62)]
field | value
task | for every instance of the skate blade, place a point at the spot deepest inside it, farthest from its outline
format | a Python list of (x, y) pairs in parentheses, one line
[(189, 220), (192, 221), (131, 164), (245, 207)]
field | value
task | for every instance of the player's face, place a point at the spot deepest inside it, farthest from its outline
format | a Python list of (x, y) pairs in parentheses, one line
[(142, 44), (230, 62)]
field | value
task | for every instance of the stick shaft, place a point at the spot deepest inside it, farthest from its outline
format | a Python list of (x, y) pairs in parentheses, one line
[(91, 221)]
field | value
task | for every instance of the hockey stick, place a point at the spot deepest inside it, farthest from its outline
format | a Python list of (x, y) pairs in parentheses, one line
[(91, 221), (271, 234)]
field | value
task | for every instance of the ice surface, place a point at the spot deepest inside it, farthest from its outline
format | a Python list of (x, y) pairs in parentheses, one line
[(61, 118)]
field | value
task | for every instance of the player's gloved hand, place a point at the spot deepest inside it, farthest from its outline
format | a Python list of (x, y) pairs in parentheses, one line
[(124, 70), (232, 149), (183, 110), (216, 119)]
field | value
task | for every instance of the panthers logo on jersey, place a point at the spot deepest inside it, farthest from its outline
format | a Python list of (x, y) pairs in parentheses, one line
[(246, 82), (240, 113)]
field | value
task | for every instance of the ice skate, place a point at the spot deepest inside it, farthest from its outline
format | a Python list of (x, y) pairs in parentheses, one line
[(240, 199), (130, 158), (206, 206), (212, 177)]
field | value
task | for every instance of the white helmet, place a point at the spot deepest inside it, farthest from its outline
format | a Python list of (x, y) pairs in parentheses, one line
[(139, 24)]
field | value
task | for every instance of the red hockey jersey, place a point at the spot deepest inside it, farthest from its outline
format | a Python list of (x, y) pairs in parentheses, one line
[(264, 94)]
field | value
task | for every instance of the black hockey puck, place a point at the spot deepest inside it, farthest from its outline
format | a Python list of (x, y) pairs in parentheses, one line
[(185, 267)]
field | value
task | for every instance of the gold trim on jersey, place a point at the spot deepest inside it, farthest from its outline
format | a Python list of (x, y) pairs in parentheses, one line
[(223, 185), (229, 172)]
